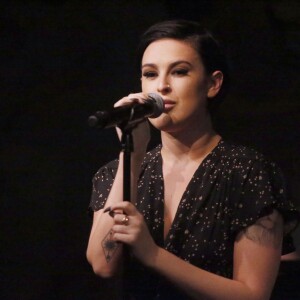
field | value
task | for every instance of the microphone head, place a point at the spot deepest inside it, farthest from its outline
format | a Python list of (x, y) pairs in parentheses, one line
[(92, 121), (158, 104)]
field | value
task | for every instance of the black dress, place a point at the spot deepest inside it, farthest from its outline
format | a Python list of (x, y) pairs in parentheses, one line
[(232, 188)]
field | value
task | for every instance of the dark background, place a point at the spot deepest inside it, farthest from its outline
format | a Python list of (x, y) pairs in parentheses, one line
[(62, 60)]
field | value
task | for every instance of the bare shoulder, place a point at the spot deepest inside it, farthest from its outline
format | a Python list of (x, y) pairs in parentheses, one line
[(266, 231)]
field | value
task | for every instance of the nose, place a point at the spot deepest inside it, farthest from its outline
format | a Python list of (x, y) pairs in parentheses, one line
[(163, 87)]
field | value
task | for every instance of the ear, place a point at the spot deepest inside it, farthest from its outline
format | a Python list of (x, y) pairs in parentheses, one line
[(216, 80)]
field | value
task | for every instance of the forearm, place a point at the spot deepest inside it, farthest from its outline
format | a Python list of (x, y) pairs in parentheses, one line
[(198, 283), (103, 264), (103, 253)]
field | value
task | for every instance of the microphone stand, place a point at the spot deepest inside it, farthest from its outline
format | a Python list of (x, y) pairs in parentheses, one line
[(127, 147)]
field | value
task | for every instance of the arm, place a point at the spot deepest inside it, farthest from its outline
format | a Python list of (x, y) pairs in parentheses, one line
[(97, 252), (256, 260), (103, 253)]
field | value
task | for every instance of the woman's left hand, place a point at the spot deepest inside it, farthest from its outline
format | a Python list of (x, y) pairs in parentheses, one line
[(130, 228)]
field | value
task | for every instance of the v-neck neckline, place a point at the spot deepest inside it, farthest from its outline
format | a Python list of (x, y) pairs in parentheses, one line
[(197, 171)]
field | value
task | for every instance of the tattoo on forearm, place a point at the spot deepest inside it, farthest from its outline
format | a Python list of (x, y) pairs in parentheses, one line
[(267, 231), (109, 246)]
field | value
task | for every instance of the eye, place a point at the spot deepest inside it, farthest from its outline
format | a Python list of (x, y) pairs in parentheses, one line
[(149, 74), (180, 72)]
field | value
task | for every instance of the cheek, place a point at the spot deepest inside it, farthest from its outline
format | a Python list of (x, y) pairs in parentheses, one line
[(193, 93), (147, 86)]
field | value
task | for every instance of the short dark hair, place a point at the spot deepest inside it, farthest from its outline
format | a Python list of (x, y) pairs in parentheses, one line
[(208, 48)]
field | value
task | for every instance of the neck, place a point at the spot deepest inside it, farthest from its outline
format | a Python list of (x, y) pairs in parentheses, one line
[(191, 142), (188, 145), (175, 149)]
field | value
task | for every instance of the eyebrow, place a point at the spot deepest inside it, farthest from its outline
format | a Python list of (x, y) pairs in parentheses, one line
[(175, 63)]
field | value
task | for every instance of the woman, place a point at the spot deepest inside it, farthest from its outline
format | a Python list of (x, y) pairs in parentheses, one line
[(206, 219)]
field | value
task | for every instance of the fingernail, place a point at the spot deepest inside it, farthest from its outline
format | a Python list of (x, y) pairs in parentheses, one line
[(110, 212), (107, 209)]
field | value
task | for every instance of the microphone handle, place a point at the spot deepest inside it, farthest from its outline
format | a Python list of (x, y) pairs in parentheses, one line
[(127, 114)]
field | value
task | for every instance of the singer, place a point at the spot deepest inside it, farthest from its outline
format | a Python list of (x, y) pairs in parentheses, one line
[(208, 219)]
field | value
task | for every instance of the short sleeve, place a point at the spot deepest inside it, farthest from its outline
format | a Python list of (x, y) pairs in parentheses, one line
[(263, 190), (101, 185)]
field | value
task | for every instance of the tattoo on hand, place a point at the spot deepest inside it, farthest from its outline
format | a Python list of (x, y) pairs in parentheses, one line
[(109, 246)]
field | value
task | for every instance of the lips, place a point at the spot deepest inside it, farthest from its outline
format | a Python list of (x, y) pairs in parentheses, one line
[(169, 104)]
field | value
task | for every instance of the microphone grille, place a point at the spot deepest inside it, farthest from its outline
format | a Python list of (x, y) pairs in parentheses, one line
[(158, 104)]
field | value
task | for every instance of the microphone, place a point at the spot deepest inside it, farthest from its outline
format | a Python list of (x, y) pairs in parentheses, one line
[(130, 114)]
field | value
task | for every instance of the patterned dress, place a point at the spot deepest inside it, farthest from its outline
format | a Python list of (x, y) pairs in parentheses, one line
[(232, 188)]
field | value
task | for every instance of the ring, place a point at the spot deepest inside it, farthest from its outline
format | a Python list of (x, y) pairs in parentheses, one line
[(125, 220)]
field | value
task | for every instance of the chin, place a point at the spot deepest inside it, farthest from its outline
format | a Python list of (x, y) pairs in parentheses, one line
[(168, 127), (163, 122)]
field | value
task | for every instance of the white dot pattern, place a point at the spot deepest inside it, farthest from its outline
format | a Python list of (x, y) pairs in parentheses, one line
[(230, 190)]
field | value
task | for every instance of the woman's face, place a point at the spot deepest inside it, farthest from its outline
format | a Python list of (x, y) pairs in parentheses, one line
[(174, 70)]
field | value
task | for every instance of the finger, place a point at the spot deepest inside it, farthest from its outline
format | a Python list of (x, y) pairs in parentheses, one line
[(122, 219), (111, 212), (123, 238), (125, 101), (139, 97), (127, 207), (132, 98), (119, 229)]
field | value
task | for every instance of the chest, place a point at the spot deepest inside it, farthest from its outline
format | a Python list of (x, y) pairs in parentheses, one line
[(176, 181), (187, 212)]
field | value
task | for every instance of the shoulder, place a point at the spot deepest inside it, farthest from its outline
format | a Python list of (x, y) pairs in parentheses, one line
[(266, 231), (107, 171), (153, 153), (152, 156), (234, 151), (243, 157)]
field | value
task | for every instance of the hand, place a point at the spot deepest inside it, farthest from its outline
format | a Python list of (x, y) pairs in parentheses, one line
[(141, 132), (130, 228)]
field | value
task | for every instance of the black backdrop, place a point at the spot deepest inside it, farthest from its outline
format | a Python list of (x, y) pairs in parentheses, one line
[(62, 60)]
